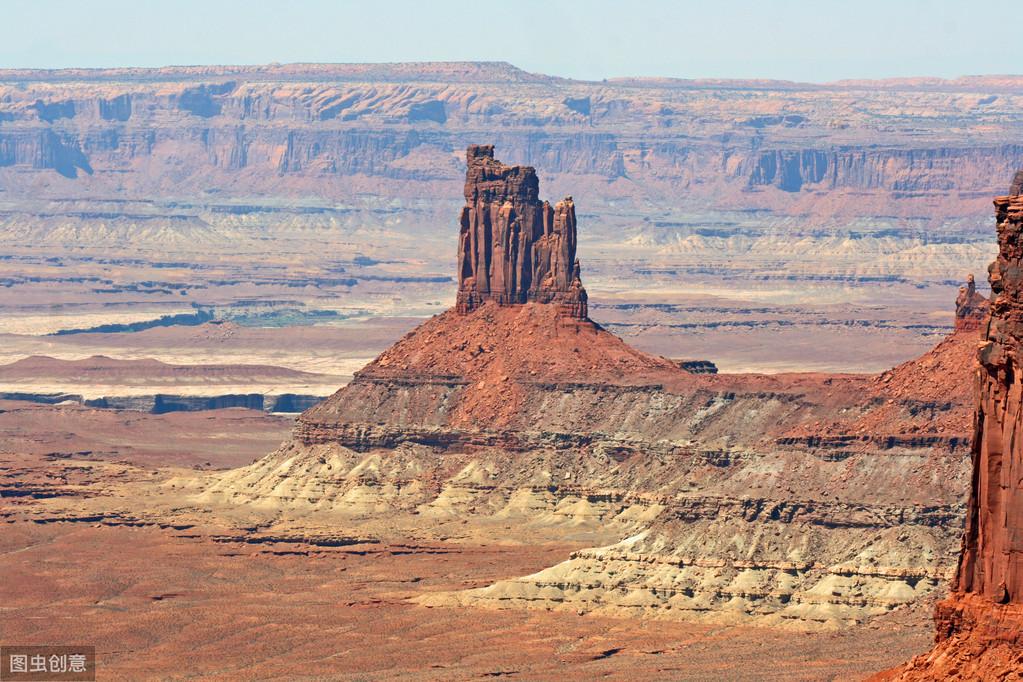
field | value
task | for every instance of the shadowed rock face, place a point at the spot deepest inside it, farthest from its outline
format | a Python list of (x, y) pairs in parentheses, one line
[(512, 247)]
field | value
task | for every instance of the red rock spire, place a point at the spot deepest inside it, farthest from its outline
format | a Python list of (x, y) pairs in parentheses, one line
[(971, 306), (513, 248)]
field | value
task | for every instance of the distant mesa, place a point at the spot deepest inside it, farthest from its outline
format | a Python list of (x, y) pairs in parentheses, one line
[(514, 248)]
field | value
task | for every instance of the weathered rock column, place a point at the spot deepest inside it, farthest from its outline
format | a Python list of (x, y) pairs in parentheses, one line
[(971, 307), (513, 248)]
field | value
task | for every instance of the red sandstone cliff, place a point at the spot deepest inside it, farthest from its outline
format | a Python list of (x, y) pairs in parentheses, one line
[(980, 626), (512, 247)]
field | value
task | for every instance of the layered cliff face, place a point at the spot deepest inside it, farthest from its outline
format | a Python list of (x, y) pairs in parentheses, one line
[(702, 497), (812, 500), (513, 248), (324, 130), (980, 626)]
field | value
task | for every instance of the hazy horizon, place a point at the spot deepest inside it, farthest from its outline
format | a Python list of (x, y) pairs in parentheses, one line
[(735, 39), (516, 66)]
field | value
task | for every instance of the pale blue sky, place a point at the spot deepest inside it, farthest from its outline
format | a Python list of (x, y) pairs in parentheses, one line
[(806, 40)]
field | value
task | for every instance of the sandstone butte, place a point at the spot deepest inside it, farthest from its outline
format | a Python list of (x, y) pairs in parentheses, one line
[(980, 625), (512, 247), (513, 410), (521, 310)]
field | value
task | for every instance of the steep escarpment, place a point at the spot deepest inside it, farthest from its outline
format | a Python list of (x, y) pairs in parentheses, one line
[(980, 626), (804, 499), (992, 561), (149, 385)]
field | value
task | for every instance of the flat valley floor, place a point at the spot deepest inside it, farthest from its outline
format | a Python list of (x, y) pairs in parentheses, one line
[(171, 600)]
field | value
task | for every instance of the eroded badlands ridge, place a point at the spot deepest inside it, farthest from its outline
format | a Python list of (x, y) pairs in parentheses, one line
[(980, 626), (805, 499)]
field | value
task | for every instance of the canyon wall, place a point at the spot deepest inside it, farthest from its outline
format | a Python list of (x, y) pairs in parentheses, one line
[(992, 561)]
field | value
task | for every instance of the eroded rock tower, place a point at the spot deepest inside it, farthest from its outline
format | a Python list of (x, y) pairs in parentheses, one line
[(512, 247)]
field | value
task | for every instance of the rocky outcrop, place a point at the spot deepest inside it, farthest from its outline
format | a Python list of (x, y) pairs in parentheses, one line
[(980, 626), (513, 248), (698, 366), (971, 307)]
